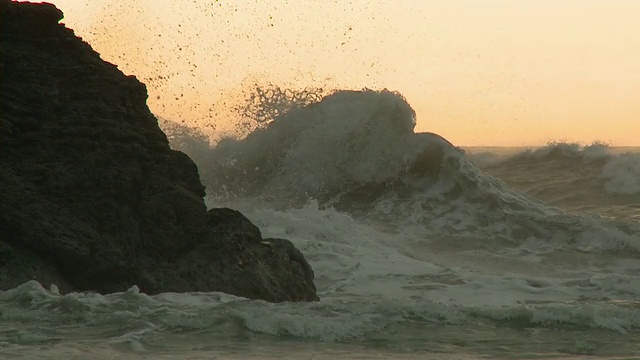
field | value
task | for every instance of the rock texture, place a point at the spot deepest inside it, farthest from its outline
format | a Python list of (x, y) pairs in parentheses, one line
[(91, 195)]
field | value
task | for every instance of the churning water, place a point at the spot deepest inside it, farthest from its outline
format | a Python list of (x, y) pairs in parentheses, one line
[(420, 250)]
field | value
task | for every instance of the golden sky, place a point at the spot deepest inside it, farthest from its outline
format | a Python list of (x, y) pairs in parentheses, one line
[(480, 73)]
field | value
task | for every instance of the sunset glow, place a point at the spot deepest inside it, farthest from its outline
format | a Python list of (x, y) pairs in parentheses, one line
[(502, 73)]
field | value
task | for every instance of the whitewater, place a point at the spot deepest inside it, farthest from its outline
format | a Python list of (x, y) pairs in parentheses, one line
[(421, 250)]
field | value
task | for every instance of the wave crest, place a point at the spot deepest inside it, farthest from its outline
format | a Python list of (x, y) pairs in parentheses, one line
[(349, 140)]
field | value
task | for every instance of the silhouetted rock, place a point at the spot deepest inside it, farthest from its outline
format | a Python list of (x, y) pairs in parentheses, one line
[(91, 195)]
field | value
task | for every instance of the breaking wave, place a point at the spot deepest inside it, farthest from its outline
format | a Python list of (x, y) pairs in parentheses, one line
[(356, 151)]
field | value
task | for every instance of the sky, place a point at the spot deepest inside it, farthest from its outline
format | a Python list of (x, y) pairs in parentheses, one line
[(479, 73)]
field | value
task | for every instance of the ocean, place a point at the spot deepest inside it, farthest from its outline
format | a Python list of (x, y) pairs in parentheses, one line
[(421, 250)]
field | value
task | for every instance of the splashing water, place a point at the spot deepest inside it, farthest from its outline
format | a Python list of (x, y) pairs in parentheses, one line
[(418, 252)]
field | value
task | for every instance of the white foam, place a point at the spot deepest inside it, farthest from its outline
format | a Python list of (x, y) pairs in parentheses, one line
[(354, 259), (622, 174), (348, 257)]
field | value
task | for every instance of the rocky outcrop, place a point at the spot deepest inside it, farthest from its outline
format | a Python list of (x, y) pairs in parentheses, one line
[(91, 195)]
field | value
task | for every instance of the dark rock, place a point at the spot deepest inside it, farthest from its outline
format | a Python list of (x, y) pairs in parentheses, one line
[(19, 265), (91, 192), (246, 263)]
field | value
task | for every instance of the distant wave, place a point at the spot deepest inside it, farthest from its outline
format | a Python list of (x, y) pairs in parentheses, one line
[(570, 175), (558, 149)]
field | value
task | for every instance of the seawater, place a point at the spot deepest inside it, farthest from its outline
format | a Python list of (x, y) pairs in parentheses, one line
[(420, 251)]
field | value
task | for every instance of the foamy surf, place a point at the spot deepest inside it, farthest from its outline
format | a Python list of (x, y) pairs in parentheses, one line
[(418, 251), (130, 323)]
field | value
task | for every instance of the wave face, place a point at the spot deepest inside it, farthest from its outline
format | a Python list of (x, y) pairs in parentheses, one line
[(390, 216), (418, 248)]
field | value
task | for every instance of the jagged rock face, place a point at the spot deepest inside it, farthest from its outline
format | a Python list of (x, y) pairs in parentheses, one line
[(90, 188)]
